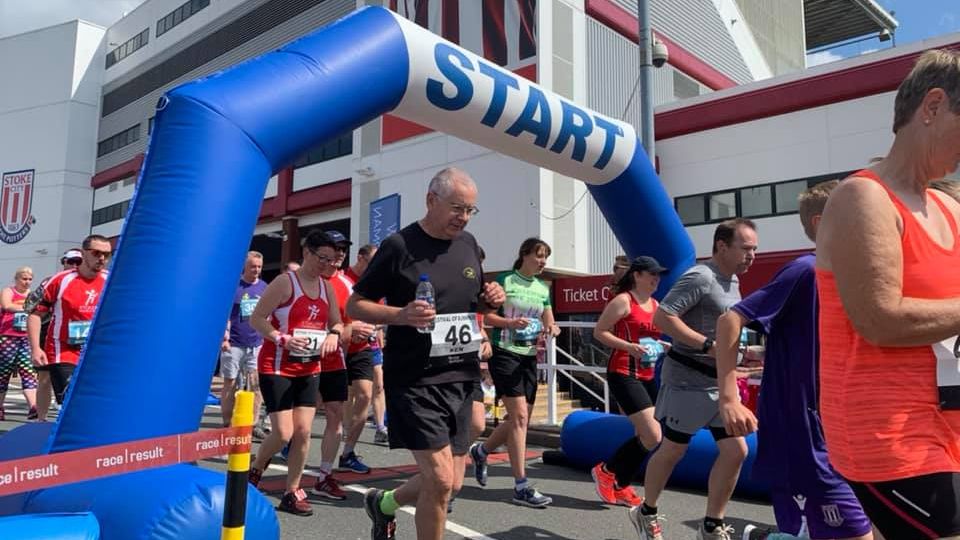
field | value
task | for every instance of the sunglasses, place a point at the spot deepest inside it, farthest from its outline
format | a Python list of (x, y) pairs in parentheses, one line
[(97, 253), (74, 261)]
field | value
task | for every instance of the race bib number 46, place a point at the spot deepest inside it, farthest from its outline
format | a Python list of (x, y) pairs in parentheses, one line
[(455, 334), (948, 372), (314, 338)]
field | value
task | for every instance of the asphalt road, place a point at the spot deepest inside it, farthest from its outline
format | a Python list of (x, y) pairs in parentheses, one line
[(479, 513)]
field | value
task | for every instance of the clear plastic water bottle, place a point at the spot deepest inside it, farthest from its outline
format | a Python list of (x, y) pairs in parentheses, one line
[(425, 293)]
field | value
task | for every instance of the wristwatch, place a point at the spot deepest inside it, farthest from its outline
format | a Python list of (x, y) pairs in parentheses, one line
[(707, 344), (334, 331)]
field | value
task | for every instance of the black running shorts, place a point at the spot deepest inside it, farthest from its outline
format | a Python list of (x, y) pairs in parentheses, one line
[(333, 386), (632, 394), (913, 508), (514, 375), (431, 417), (282, 393), (360, 366), (60, 375)]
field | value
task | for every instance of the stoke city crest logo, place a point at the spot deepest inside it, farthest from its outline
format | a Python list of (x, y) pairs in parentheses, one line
[(16, 201)]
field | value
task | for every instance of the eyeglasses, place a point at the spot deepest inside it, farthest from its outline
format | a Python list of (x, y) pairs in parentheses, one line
[(323, 258), (97, 253), (458, 209), (74, 261)]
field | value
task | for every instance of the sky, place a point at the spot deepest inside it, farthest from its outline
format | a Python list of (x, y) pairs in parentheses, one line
[(919, 19), (19, 16)]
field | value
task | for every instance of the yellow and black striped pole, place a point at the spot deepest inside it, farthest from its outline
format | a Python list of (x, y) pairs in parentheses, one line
[(238, 468)]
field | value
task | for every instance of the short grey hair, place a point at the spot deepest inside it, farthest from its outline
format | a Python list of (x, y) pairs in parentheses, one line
[(442, 183)]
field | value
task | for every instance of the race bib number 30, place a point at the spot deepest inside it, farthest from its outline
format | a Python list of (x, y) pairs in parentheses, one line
[(77, 332), (246, 307), (948, 373), (315, 339), (455, 334)]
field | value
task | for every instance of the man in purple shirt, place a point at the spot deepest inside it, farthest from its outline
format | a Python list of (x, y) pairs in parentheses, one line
[(241, 343), (810, 499)]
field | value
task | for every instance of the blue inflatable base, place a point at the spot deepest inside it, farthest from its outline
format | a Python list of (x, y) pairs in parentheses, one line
[(60, 526), (179, 502), (588, 438)]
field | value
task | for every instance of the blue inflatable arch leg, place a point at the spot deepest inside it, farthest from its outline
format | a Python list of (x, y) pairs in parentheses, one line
[(146, 367)]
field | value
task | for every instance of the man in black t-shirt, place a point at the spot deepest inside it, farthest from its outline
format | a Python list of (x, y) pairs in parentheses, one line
[(429, 376)]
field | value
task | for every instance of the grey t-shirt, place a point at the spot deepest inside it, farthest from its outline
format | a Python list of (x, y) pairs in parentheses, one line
[(699, 297)]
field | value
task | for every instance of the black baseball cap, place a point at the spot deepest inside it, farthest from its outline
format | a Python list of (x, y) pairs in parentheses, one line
[(316, 239), (645, 263), (338, 238)]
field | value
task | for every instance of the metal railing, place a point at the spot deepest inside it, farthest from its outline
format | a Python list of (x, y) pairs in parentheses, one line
[(553, 369)]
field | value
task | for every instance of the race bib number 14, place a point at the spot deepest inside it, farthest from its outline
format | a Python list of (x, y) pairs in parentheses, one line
[(455, 334)]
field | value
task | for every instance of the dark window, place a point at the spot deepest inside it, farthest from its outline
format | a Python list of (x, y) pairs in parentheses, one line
[(756, 201), (722, 205), (238, 32), (182, 13), (118, 141), (787, 194), (130, 180), (128, 47), (150, 124), (109, 213), (761, 200), (691, 210), (339, 146)]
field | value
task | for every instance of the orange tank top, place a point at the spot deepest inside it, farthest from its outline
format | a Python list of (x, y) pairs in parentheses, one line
[(879, 405)]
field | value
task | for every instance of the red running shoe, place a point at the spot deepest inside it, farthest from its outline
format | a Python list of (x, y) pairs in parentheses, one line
[(605, 483), (295, 502), (628, 497), (254, 477), (329, 488)]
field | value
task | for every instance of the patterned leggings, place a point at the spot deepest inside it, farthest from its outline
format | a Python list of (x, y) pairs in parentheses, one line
[(15, 356)]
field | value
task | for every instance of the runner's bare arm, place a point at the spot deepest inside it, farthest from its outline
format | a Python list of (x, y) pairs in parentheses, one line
[(737, 419), (276, 293), (333, 314), (495, 320), (416, 313), (549, 323), (6, 301), (492, 296), (674, 327), (334, 323), (615, 310), (855, 244)]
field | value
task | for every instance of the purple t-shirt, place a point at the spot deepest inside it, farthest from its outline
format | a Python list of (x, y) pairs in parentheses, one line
[(790, 445), (245, 299)]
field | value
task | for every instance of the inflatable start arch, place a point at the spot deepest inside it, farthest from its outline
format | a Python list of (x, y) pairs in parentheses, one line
[(146, 368)]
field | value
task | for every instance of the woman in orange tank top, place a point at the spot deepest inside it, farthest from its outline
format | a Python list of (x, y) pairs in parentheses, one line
[(888, 274)]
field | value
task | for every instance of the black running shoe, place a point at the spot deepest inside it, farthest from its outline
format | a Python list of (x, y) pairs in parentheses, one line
[(384, 526)]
